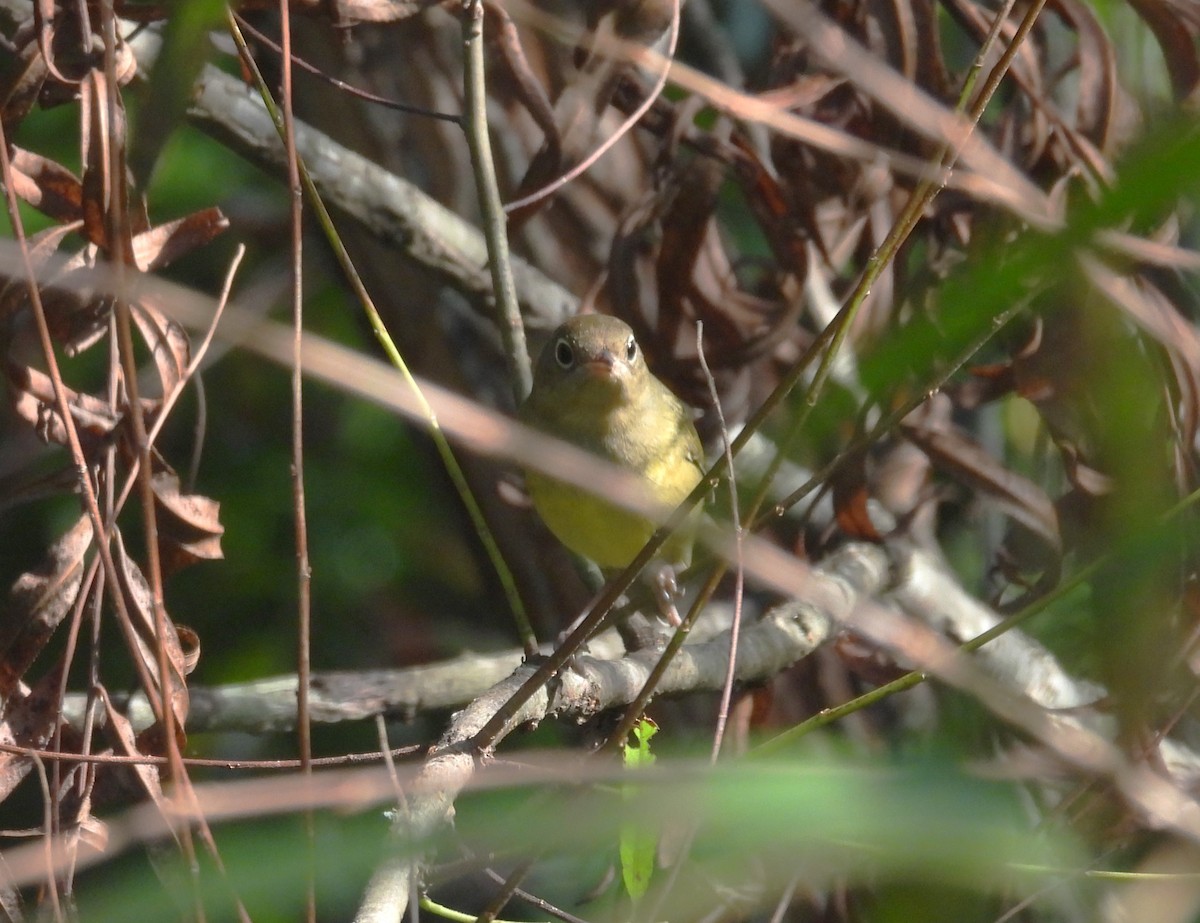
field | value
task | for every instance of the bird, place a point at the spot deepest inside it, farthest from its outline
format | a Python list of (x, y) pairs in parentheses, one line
[(593, 388)]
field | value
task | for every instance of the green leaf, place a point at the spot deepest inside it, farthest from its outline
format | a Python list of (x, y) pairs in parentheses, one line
[(639, 842)]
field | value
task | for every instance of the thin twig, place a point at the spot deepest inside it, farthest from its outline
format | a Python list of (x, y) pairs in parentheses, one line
[(407, 108), (893, 417), (541, 903), (475, 126), (739, 533), (63, 406), (508, 888), (449, 913), (346, 759), (989, 177), (299, 505), (785, 901), (508, 311), (51, 885), (390, 764), (660, 83), (198, 355), (199, 352), (633, 712)]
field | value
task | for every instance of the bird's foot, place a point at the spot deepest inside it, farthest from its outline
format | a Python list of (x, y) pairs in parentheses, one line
[(666, 591)]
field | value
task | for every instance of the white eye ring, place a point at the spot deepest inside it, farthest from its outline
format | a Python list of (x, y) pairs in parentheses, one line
[(564, 353), (631, 350)]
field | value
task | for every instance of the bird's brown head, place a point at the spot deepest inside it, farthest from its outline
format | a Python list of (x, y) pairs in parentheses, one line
[(591, 358)]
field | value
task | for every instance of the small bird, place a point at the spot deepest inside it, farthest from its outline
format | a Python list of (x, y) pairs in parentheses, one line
[(592, 387)]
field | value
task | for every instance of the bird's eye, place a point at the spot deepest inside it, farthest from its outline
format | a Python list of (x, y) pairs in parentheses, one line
[(631, 349), (564, 353)]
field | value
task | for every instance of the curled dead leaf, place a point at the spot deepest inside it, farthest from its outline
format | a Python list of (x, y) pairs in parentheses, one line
[(48, 186), (189, 527), (30, 718), (144, 639), (377, 10), (168, 342), (125, 743), (160, 246), (851, 499), (39, 600), (32, 394), (1176, 27), (20, 88)]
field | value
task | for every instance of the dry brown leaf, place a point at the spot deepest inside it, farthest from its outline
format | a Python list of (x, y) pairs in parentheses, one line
[(49, 187), (32, 394), (1176, 26), (506, 40), (377, 10), (107, 205), (1100, 107), (78, 313), (125, 743), (168, 343), (850, 499), (588, 89), (189, 641), (98, 195), (93, 832), (668, 268), (781, 223), (189, 527), (14, 292), (159, 246), (21, 85), (144, 640), (30, 718), (39, 600)]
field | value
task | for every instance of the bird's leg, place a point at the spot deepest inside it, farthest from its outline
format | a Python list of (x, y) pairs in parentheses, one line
[(666, 591)]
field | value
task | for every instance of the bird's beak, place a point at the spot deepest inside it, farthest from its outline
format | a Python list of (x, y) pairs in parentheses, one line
[(602, 365)]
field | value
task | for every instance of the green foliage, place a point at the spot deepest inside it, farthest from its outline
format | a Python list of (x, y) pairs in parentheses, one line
[(921, 822), (913, 826), (638, 843)]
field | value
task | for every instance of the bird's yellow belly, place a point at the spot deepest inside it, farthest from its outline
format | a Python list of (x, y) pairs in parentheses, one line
[(596, 529)]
